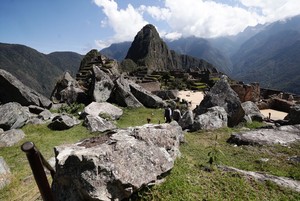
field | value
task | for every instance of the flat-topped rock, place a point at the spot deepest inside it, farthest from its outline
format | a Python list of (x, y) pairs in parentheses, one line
[(11, 137), (113, 166), (13, 115), (103, 109), (281, 181), (283, 135)]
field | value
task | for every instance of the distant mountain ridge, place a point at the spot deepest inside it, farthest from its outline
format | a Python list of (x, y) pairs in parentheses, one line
[(37, 70), (117, 51), (258, 54), (271, 57), (202, 49)]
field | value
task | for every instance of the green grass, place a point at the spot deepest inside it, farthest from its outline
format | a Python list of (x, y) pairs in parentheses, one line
[(198, 87), (215, 79), (188, 180), (199, 84), (138, 117), (23, 186)]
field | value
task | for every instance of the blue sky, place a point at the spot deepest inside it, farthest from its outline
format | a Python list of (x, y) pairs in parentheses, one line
[(80, 25)]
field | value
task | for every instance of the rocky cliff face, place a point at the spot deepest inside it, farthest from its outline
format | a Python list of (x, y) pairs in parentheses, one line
[(149, 50)]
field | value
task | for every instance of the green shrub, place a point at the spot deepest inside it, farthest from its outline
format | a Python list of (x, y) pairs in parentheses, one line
[(214, 154), (73, 109), (253, 124)]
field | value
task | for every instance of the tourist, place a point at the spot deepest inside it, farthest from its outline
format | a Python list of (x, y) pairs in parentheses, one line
[(168, 114)]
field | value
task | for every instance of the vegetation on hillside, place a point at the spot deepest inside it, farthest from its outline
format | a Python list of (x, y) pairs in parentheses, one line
[(189, 179), (37, 70)]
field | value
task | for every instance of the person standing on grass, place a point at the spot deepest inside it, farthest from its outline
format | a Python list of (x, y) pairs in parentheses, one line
[(168, 114)]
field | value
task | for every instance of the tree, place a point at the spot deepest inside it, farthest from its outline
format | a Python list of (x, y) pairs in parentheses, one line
[(166, 77)]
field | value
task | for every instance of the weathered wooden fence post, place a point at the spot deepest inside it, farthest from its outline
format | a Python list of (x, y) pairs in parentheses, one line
[(36, 162)]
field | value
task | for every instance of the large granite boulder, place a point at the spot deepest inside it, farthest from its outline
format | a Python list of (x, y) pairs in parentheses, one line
[(176, 115), (145, 97), (113, 166), (12, 90), (294, 115), (5, 174), (45, 115), (63, 122), (11, 137), (104, 110), (252, 111), (42, 118), (129, 94), (281, 104), (214, 118), (73, 94), (13, 115), (103, 85), (121, 94), (283, 135), (187, 120), (68, 90), (96, 123), (222, 95), (166, 94)]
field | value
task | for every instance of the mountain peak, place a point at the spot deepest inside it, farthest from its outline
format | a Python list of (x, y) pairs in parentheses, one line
[(147, 46), (148, 31), (149, 50)]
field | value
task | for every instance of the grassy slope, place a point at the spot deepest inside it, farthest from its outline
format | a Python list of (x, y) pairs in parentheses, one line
[(23, 186), (188, 180)]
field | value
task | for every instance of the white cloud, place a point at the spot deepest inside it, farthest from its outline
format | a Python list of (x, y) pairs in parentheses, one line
[(208, 18), (103, 44), (171, 36), (273, 10), (157, 13), (202, 18), (124, 22)]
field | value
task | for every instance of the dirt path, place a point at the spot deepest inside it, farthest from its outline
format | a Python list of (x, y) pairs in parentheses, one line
[(194, 97), (275, 115)]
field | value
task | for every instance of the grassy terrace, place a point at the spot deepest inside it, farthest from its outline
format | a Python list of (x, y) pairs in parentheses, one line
[(188, 180)]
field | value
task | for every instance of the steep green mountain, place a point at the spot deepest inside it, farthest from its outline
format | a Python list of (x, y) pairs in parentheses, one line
[(149, 50), (66, 61), (196, 47), (281, 70), (37, 70), (271, 57)]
